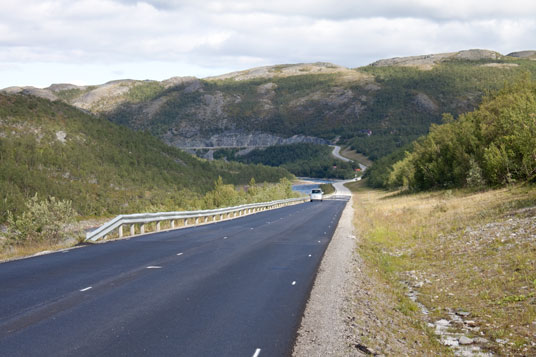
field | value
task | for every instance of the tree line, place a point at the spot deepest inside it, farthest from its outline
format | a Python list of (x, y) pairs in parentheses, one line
[(491, 146)]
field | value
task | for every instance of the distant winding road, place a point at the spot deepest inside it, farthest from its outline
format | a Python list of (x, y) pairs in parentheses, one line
[(337, 154), (234, 288)]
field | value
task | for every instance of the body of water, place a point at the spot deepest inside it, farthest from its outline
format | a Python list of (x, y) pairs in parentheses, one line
[(306, 188)]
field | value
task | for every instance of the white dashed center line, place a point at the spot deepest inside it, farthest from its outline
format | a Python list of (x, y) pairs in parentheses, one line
[(154, 267), (86, 289), (257, 352), (310, 255), (179, 253), (294, 283), (225, 237)]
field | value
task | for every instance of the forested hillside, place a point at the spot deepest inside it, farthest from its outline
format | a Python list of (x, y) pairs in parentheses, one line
[(308, 160), (53, 149), (491, 146), (376, 109)]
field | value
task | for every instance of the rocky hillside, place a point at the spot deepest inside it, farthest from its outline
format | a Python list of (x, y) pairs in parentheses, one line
[(376, 108)]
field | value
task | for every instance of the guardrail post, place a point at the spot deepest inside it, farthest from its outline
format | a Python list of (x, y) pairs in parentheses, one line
[(120, 231), (172, 224), (158, 226), (185, 222), (196, 220), (132, 229), (142, 228), (206, 219)]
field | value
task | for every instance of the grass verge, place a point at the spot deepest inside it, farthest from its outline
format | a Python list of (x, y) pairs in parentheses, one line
[(327, 188), (460, 252)]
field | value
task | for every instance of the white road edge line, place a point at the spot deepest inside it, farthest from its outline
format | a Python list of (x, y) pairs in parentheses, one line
[(257, 352), (86, 289), (154, 267)]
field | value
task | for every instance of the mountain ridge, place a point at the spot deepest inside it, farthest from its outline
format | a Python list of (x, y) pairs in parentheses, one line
[(375, 108)]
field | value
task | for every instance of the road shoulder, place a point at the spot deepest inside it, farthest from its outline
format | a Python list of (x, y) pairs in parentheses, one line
[(323, 329)]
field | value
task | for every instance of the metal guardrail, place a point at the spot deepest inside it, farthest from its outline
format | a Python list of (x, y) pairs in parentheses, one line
[(188, 218)]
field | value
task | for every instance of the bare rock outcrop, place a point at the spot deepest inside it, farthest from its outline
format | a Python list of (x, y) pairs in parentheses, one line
[(425, 103), (428, 61), (185, 138), (288, 70), (523, 54)]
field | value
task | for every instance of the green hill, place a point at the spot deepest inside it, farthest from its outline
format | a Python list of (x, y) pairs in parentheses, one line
[(376, 109), (309, 160), (493, 145), (53, 149)]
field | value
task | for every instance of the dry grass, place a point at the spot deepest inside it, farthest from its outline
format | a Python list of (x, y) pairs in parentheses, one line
[(470, 251), (360, 158), (15, 252)]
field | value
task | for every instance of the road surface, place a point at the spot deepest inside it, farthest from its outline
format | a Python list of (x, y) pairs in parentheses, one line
[(235, 288), (337, 154)]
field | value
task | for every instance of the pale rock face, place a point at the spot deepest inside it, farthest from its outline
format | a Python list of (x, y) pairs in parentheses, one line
[(38, 92), (235, 139), (428, 61), (105, 97), (283, 71), (61, 136), (425, 103)]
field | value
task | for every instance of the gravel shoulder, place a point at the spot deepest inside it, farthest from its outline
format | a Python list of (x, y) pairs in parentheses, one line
[(324, 330)]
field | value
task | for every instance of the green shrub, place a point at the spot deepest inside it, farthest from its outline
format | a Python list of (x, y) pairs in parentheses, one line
[(43, 221), (491, 146)]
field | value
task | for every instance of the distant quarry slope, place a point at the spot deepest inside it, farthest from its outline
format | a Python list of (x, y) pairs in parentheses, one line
[(376, 108)]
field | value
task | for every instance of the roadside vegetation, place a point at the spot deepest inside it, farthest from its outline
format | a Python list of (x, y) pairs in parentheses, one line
[(467, 257), (327, 188), (492, 146), (455, 237), (57, 162), (50, 224)]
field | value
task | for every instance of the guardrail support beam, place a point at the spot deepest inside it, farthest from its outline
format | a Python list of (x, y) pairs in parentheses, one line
[(120, 223)]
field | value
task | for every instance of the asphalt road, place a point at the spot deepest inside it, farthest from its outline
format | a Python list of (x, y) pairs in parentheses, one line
[(234, 288)]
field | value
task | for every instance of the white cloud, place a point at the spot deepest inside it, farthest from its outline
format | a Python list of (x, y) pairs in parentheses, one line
[(209, 37)]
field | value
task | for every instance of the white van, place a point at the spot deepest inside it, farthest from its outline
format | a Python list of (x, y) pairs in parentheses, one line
[(317, 195)]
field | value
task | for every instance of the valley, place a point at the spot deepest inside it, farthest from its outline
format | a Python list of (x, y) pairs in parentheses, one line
[(437, 242)]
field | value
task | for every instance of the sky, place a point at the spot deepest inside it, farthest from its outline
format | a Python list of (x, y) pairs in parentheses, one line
[(95, 41)]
